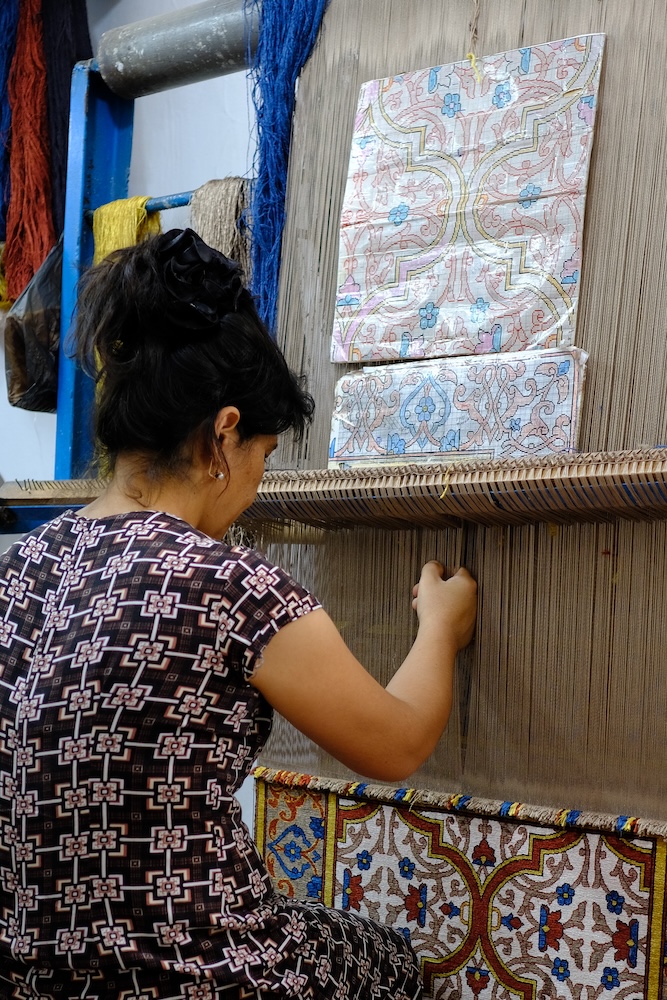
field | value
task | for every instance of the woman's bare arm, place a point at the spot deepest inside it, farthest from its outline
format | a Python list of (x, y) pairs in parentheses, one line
[(310, 676)]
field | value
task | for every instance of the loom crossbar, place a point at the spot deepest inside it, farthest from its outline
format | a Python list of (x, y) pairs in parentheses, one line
[(179, 47), (558, 489)]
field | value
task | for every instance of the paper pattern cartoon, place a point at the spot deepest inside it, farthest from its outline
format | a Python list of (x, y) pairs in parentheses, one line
[(462, 222), (497, 406)]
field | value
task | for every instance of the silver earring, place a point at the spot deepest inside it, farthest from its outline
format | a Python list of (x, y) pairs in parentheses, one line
[(212, 474)]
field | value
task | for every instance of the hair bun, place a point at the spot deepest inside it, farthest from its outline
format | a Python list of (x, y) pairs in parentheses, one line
[(202, 283)]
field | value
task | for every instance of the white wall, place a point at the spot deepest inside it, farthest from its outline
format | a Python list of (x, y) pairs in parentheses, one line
[(182, 138)]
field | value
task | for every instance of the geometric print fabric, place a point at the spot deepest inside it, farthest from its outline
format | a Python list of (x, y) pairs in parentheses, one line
[(493, 908), (127, 724)]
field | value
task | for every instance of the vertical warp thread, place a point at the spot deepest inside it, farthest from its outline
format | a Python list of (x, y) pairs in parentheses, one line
[(30, 232), (66, 42), (563, 697), (287, 33), (9, 19)]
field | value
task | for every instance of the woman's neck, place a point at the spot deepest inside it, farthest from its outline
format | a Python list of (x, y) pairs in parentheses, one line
[(131, 489)]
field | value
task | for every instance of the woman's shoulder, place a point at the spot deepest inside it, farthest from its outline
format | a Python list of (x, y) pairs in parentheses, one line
[(154, 540)]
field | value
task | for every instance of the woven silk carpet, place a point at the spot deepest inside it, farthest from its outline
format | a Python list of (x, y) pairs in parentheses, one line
[(494, 906)]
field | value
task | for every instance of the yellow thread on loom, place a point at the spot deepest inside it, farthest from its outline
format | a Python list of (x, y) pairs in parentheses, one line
[(655, 949), (473, 62), (122, 223), (444, 492)]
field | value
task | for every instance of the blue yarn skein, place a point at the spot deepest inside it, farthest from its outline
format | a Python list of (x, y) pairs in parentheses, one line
[(287, 33), (9, 19)]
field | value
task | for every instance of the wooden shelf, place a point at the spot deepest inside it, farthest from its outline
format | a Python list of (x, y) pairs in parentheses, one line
[(559, 489)]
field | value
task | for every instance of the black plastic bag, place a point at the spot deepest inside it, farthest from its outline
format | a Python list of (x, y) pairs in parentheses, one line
[(32, 337)]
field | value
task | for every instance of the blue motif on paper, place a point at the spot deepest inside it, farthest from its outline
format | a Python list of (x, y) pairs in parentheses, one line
[(529, 195), (427, 406), (609, 978), (451, 440), (502, 96), (478, 309), (428, 314), (395, 445), (399, 213), (451, 105)]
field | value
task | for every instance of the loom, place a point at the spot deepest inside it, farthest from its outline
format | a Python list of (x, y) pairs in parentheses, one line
[(561, 700), (558, 611), (521, 518)]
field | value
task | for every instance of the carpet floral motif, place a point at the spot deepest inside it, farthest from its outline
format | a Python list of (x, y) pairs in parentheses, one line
[(493, 907), (462, 221), (496, 406)]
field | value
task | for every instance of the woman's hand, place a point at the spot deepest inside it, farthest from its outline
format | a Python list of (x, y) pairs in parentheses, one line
[(449, 604)]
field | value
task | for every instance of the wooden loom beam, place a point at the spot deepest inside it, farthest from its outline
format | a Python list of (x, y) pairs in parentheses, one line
[(559, 489)]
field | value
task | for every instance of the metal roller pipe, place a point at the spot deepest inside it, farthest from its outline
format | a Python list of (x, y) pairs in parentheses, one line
[(197, 43)]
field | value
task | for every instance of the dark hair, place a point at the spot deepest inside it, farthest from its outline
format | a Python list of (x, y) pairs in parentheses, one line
[(171, 336)]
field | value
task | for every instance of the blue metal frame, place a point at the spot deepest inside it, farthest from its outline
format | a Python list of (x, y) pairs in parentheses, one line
[(98, 168), (169, 201), (18, 518)]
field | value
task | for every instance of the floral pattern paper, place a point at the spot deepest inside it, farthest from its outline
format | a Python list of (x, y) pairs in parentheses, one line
[(462, 221), (496, 406)]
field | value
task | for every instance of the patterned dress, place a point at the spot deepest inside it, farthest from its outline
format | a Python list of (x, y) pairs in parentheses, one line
[(127, 724)]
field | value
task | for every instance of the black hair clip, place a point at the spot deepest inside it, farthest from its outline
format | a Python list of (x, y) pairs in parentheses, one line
[(203, 284)]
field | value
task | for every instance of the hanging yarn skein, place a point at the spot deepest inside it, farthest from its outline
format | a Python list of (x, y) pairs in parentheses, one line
[(66, 42), (9, 19), (287, 33), (123, 223), (30, 233), (217, 213)]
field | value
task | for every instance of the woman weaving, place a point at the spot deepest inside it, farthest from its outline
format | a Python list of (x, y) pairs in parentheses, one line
[(140, 659)]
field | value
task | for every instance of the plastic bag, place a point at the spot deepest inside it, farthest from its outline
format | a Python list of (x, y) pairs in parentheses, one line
[(32, 337)]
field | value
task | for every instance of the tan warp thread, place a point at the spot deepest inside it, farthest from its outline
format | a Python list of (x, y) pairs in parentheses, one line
[(561, 699)]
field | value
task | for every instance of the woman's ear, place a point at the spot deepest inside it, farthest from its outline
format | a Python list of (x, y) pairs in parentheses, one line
[(226, 420)]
